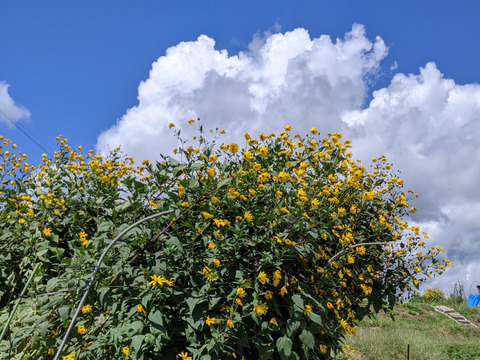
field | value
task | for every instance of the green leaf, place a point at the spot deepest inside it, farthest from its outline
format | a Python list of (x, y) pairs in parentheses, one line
[(315, 318), (156, 317), (284, 347), (173, 241), (297, 300), (307, 339), (134, 327), (137, 341), (265, 350), (104, 226), (63, 311), (224, 182), (178, 169), (123, 207), (292, 326), (193, 183), (42, 328)]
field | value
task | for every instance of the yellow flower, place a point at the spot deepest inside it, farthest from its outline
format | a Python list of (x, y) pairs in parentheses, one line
[(126, 351), (160, 281), (69, 357), (140, 309), (308, 308), (171, 125), (233, 148), (248, 216), (21, 221), (211, 172), (184, 204), (260, 309), (313, 130), (285, 210), (263, 150), (268, 295), (238, 301), (230, 323), (152, 204), (220, 223), (283, 290), (191, 121), (47, 232), (206, 215), (155, 280), (81, 329), (209, 274), (241, 292), (273, 321), (225, 308), (169, 282), (184, 356), (83, 236), (288, 128), (51, 351), (211, 245), (276, 278), (216, 262), (323, 348), (211, 321), (86, 309), (262, 277)]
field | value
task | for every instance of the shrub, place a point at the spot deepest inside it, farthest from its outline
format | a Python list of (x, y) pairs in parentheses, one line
[(432, 295), (243, 267)]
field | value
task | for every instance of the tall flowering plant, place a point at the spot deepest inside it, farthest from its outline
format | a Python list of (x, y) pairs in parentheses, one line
[(275, 249)]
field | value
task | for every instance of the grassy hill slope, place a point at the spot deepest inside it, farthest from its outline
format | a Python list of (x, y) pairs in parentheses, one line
[(431, 335)]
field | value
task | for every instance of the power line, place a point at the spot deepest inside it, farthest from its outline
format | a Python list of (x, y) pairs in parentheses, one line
[(24, 132)]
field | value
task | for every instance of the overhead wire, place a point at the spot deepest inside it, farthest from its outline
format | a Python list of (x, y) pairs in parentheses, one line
[(25, 132)]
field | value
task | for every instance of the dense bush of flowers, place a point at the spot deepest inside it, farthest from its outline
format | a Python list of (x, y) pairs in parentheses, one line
[(242, 268)]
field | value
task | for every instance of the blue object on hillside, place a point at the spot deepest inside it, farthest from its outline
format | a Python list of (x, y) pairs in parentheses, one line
[(473, 300)]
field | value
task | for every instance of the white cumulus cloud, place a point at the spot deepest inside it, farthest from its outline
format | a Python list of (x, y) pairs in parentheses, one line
[(426, 124), (289, 78), (10, 111)]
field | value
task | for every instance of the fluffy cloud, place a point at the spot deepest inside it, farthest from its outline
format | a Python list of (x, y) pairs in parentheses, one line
[(289, 78), (425, 124), (8, 107)]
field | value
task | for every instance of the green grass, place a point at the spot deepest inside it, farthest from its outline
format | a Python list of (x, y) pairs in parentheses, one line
[(429, 334)]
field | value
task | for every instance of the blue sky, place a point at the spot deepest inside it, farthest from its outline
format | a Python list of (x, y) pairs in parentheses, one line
[(77, 68), (76, 65)]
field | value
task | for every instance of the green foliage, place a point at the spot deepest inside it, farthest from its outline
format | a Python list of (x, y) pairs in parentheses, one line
[(241, 268)]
